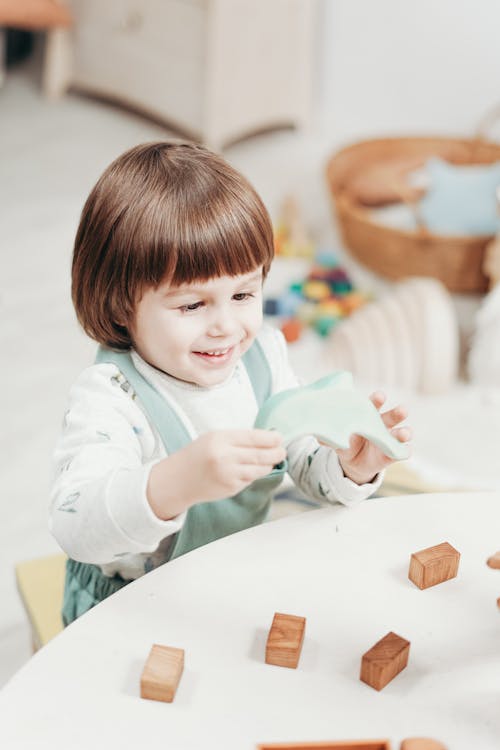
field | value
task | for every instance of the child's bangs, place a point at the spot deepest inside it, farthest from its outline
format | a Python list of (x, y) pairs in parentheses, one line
[(225, 244)]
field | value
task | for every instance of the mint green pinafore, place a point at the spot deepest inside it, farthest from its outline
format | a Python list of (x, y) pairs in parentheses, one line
[(85, 584)]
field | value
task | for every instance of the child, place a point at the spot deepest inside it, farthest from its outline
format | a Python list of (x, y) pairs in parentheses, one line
[(157, 454)]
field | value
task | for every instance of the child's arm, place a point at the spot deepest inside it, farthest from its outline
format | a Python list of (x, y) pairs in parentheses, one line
[(99, 510), (216, 465), (316, 470), (115, 493)]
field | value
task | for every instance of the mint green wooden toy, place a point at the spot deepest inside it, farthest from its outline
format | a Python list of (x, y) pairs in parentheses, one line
[(332, 410)]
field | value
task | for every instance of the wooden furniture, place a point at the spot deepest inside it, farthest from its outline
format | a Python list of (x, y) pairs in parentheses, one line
[(433, 565), (34, 14), (216, 70), (162, 672), (284, 642), (346, 569), (386, 659)]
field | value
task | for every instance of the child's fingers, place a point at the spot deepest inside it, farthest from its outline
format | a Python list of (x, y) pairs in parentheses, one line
[(403, 434), (256, 438), (394, 416), (262, 456), (356, 443), (378, 399), (249, 473)]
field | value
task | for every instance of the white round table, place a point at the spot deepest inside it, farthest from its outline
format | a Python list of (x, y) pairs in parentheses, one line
[(345, 570)]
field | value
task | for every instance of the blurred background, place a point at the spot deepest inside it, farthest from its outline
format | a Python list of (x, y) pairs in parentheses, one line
[(377, 269)]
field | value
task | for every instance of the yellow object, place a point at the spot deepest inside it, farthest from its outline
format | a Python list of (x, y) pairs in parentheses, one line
[(399, 479), (291, 237), (40, 584), (317, 290), (331, 307), (294, 250), (352, 301)]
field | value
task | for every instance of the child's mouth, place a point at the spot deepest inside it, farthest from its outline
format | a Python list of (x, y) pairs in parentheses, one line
[(216, 356)]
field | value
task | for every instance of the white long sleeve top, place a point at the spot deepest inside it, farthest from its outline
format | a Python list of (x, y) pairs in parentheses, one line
[(99, 510)]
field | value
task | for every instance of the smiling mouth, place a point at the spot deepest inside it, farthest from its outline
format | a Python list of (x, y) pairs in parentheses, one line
[(216, 355)]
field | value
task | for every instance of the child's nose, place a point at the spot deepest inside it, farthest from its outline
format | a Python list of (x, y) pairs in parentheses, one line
[(222, 322)]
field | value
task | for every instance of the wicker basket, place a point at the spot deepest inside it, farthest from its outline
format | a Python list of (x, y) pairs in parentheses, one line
[(394, 253)]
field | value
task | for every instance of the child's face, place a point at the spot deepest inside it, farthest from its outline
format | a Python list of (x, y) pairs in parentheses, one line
[(197, 332)]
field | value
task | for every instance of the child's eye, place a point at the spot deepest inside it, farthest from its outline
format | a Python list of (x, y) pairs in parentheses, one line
[(240, 296), (191, 307)]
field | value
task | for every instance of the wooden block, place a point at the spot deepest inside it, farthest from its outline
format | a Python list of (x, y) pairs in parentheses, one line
[(335, 745), (494, 561), (284, 642), (384, 661), (433, 565), (161, 673), (421, 743)]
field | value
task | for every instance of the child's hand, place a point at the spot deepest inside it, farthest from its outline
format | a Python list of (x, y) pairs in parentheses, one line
[(363, 460), (226, 461), (215, 465)]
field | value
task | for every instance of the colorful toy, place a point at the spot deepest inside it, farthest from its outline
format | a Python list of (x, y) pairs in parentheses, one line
[(290, 235), (292, 329), (332, 410), (321, 300)]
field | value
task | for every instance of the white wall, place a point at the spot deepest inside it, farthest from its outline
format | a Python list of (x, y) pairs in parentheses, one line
[(407, 66)]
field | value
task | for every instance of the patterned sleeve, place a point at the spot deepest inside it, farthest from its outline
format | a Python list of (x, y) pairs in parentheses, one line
[(314, 468), (99, 510)]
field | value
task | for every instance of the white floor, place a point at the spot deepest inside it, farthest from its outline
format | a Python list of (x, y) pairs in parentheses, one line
[(50, 155)]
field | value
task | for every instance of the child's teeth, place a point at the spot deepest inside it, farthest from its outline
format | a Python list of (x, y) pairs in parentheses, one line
[(218, 353)]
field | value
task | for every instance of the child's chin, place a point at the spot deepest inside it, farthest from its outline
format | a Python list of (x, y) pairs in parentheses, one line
[(210, 379)]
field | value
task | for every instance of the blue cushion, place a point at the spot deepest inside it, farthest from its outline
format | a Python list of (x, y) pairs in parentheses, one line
[(461, 199)]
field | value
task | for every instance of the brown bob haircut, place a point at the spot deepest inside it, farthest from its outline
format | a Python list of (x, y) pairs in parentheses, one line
[(167, 211)]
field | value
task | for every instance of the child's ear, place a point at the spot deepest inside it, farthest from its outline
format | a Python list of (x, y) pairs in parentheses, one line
[(119, 316), (122, 325)]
